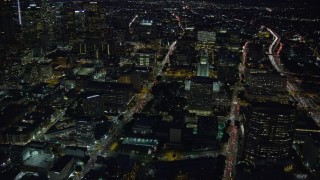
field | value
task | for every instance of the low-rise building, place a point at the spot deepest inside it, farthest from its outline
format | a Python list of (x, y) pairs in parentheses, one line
[(62, 168)]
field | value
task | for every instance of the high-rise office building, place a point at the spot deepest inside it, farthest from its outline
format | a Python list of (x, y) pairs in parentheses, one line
[(268, 81), (264, 84), (206, 40), (93, 105), (200, 99), (203, 65), (95, 19), (64, 22), (91, 29), (32, 22), (85, 131), (146, 58), (205, 95), (269, 132), (207, 126), (206, 36)]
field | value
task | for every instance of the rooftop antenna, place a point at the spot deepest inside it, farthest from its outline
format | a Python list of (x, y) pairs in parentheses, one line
[(19, 12)]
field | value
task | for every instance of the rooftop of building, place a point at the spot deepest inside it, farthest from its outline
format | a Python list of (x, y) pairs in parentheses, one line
[(208, 121), (105, 167), (61, 163), (146, 51), (172, 169), (145, 121), (203, 80), (37, 145), (39, 160), (140, 141), (270, 74), (76, 148), (40, 88), (272, 107), (85, 71), (108, 86), (11, 112)]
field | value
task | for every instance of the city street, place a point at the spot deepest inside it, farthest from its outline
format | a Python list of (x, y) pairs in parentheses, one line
[(232, 146)]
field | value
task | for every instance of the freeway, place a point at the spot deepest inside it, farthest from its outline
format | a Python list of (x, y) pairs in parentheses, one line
[(275, 48), (271, 55), (242, 65), (304, 102)]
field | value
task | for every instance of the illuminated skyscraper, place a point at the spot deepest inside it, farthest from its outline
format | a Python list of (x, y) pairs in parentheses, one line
[(85, 131), (269, 132), (200, 99), (93, 105), (32, 23), (206, 36), (203, 65)]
